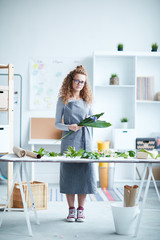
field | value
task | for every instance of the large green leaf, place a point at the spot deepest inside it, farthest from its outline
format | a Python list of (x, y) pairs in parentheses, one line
[(97, 124), (90, 120)]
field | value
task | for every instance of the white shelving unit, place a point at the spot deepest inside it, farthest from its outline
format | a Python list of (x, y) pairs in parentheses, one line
[(6, 106), (118, 101)]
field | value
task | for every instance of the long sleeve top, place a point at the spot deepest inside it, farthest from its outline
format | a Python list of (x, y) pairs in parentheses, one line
[(59, 116), (60, 113)]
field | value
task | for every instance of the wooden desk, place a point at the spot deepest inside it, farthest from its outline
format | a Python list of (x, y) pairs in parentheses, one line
[(22, 162)]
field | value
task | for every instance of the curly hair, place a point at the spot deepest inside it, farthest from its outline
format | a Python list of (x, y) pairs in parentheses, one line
[(66, 90)]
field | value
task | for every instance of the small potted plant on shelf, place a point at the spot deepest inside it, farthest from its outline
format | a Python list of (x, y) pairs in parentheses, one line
[(114, 79), (124, 122), (154, 47), (120, 47)]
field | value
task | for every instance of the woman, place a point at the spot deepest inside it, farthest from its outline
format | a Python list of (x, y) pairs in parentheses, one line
[(74, 104)]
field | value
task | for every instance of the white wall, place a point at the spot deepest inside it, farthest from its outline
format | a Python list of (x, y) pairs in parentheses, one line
[(49, 28)]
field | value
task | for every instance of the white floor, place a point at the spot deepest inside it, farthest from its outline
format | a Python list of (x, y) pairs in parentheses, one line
[(98, 225)]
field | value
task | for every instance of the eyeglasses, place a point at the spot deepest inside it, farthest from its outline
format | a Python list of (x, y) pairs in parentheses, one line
[(79, 82)]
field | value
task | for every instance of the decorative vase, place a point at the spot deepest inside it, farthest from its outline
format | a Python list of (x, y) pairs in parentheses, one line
[(120, 48), (124, 125), (154, 50), (114, 81)]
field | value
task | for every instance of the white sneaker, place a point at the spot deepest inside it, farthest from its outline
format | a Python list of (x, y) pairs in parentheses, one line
[(72, 215), (80, 214)]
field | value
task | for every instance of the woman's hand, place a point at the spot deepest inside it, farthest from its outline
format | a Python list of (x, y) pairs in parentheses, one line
[(74, 127)]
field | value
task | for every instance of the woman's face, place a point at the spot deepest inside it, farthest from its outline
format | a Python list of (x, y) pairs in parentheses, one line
[(78, 82)]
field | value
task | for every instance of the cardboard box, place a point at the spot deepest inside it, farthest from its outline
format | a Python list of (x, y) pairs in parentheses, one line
[(156, 172)]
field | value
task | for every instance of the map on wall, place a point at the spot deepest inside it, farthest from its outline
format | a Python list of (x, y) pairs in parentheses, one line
[(46, 77)]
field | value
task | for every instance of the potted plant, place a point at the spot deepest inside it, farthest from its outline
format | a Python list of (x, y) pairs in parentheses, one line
[(120, 47), (124, 122), (114, 79), (154, 47)]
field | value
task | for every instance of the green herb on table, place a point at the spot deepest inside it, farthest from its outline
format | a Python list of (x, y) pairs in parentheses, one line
[(108, 155), (131, 153), (54, 154), (123, 154), (117, 153), (101, 154), (71, 152), (91, 155), (41, 152)]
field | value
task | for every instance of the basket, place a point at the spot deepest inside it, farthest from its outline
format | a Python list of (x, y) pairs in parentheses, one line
[(39, 191)]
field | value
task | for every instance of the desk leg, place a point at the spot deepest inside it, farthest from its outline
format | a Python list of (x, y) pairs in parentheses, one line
[(142, 182), (31, 195), (16, 171), (24, 205), (144, 198), (155, 185), (32, 165)]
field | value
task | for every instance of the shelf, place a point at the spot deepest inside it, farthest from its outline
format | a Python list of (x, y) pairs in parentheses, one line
[(118, 101), (44, 142), (125, 53), (4, 125), (6, 88), (4, 66), (6, 145), (115, 86), (148, 101)]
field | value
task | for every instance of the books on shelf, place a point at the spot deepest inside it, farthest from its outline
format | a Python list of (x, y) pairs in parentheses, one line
[(145, 88)]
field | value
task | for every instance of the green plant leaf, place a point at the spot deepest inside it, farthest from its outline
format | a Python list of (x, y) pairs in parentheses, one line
[(90, 155), (114, 75), (54, 154), (71, 152), (125, 155), (91, 122), (41, 151), (89, 119), (124, 120), (143, 150), (122, 154), (131, 153), (158, 156), (97, 124)]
